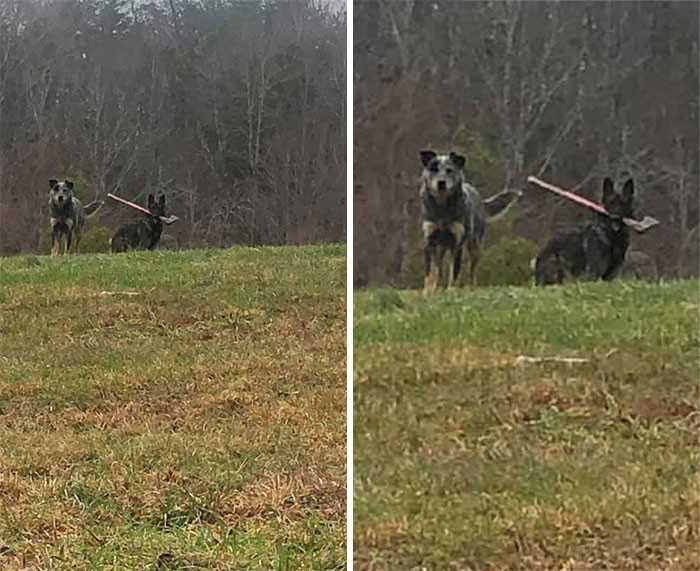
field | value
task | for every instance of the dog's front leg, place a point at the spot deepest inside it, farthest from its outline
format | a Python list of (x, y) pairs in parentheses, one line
[(75, 240), (54, 238), (474, 255), (54, 245), (457, 231), (430, 255), (432, 267), (597, 262), (68, 236), (455, 267), (440, 278)]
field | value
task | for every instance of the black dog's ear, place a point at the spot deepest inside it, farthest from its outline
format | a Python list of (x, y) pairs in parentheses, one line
[(161, 200), (52, 182), (628, 190), (69, 184), (427, 156), (608, 189), (458, 160), (151, 200)]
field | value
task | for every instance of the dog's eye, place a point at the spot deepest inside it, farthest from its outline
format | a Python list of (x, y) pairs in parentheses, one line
[(433, 167), (449, 171)]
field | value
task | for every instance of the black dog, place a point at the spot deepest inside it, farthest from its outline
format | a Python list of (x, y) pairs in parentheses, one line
[(597, 250), (144, 234), (454, 216), (67, 217)]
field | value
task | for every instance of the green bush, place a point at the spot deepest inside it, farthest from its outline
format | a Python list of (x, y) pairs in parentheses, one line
[(505, 259), (507, 262), (498, 230), (95, 239)]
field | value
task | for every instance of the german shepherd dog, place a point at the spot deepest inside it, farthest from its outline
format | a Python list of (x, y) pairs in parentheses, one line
[(144, 234), (67, 217), (597, 250), (453, 215)]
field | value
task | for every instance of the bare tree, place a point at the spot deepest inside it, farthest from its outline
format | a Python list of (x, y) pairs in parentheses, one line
[(567, 90), (234, 109)]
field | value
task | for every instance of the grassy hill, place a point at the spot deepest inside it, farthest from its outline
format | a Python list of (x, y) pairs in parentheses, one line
[(173, 410), (472, 454)]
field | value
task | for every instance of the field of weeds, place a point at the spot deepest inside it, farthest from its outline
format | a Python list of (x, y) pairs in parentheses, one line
[(173, 410), (530, 429)]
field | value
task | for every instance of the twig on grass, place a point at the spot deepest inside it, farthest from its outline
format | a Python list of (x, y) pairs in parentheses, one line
[(523, 359), (126, 293)]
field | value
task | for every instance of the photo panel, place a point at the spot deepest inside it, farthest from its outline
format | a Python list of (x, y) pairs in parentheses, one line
[(173, 267), (525, 256)]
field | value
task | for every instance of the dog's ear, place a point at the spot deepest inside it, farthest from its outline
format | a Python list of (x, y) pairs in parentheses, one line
[(458, 160), (427, 156), (608, 189), (69, 184), (161, 201), (52, 182), (628, 191), (151, 201)]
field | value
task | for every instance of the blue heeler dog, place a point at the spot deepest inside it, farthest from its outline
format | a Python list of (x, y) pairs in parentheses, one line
[(597, 250), (144, 234), (67, 217), (454, 216)]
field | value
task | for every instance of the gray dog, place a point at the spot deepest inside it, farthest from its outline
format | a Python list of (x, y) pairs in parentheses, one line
[(453, 216), (67, 217)]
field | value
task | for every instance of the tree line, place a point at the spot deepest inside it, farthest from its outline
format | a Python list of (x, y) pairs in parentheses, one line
[(235, 109), (568, 91)]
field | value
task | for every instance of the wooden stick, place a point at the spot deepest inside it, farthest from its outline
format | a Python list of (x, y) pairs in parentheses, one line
[(164, 219), (637, 225)]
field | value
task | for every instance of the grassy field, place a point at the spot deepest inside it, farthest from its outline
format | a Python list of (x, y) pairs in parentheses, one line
[(470, 454), (173, 410)]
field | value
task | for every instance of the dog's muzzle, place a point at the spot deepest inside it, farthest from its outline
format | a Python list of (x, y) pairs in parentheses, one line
[(617, 223)]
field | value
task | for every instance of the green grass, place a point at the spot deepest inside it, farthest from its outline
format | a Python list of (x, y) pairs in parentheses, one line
[(468, 458), (198, 424)]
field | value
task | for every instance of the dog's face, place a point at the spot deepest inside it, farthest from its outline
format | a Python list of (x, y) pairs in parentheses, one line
[(442, 174), (60, 193), (619, 204), (157, 207)]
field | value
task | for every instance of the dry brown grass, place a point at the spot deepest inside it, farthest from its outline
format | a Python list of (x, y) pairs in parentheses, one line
[(469, 458), (199, 424)]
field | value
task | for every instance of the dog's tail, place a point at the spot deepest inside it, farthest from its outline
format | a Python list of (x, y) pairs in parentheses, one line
[(498, 204), (92, 208)]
